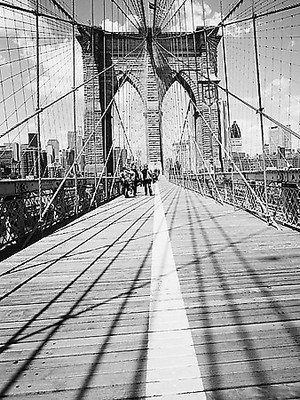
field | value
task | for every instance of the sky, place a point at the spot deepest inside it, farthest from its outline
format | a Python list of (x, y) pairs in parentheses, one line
[(278, 45)]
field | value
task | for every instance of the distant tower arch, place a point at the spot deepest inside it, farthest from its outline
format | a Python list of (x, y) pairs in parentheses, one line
[(152, 75)]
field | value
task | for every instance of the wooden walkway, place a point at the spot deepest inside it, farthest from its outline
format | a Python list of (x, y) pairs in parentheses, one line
[(199, 301)]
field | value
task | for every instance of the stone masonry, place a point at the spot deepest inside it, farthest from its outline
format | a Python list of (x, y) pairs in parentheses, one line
[(151, 64)]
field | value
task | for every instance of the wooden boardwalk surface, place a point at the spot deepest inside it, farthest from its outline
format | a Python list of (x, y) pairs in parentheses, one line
[(199, 302)]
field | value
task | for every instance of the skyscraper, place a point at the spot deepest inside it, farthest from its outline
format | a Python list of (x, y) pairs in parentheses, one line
[(279, 137), (55, 145)]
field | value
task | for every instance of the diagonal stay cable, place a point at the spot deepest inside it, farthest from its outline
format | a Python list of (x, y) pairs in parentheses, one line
[(217, 139), (173, 15), (71, 169), (40, 110), (127, 15), (166, 14), (217, 85), (123, 127)]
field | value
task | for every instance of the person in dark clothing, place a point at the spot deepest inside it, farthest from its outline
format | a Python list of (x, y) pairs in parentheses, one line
[(126, 178), (136, 177), (147, 180)]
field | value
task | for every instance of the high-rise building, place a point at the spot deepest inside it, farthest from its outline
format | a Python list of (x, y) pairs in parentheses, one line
[(235, 138), (78, 140), (279, 137), (32, 140), (55, 145), (29, 161)]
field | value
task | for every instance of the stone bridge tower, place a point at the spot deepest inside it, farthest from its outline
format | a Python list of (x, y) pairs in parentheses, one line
[(148, 62)]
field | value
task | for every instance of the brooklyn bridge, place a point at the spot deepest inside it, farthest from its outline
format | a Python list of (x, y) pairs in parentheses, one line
[(193, 292)]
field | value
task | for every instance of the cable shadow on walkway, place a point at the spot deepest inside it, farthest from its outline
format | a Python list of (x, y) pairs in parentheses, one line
[(16, 268), (69, 313), (95, 365), (70, 284), (62, 257), (291, 329), (259, 374), (137, 386)]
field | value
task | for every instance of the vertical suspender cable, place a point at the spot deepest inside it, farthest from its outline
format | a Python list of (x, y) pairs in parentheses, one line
[(197, 79), (226, 79), (112, 85), (227, 132), (105, 89), (105, 152), (210, 99), (37, 108), (260, 110), (74, 108), (93, 90)]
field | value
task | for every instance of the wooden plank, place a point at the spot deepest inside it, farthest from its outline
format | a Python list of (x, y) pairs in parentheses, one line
[(74, 309)]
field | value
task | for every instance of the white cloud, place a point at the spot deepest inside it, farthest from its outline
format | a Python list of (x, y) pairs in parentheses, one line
[(56, 71), (115, 26), (189, 18), (2, 59), (237, 31)]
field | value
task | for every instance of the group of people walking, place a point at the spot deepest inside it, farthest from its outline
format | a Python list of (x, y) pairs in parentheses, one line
[(132, 177)]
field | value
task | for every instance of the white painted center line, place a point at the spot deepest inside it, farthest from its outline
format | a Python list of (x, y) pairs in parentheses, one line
[(172, 367)]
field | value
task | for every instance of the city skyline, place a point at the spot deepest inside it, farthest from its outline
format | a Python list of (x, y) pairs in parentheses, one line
[(281, 92)]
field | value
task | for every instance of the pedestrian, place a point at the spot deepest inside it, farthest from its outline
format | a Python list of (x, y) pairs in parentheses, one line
[(126, 181), (136, 178), (147, 179)]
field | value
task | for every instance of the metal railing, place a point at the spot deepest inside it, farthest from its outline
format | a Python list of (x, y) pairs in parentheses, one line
[(283, 192), (20, 202)]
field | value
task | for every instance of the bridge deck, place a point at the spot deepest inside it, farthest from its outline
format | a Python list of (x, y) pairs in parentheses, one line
[(105, 308)]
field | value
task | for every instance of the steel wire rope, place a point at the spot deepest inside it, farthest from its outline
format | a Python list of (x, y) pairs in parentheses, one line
[(74, 107), (198, 94), (263, 7), (189, 74), (106, 152), (137, 7), (68, 93), (260, 105), (123, 127), (224, 149), (15, 75), (136, 25), (246, 103), (143, 15), (98, 123), (175, 13), (170, 6), (101, 175), (207, 167), (25, 10), (28, 84), (239, 171), (208, 66), (158, 6), (115, 174), (38, 115), (258, 16), (224, 50)]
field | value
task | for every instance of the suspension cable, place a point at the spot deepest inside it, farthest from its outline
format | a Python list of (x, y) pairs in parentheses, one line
[(101, 175), (257, 110), (41, 109), (123, 127)]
